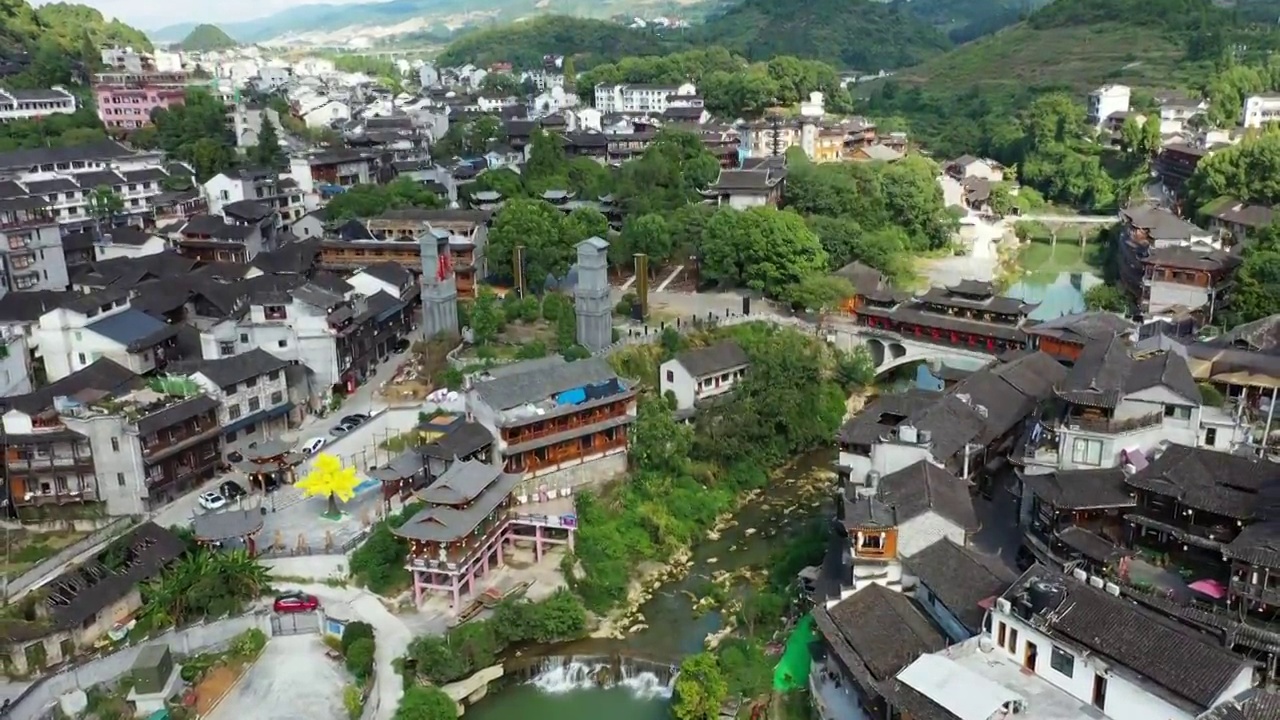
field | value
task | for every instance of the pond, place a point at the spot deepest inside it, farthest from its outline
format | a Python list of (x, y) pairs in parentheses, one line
[(1062, 296)]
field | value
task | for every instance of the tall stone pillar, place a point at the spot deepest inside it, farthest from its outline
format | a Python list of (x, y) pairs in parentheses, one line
[(439, 286), (591, 295)]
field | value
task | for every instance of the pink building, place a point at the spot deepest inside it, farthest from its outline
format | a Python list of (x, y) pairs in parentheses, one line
[(125, 100)]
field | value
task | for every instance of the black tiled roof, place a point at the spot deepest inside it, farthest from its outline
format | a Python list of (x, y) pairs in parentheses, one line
[(1081, 489), (724, 355), (247, 210), (176, 413), (1092, 545), (1208, 480), (228, 371), (1082, 328), (960, 578), (922, 487), (392, 273), (1188, 667), (28, 306), (459, 441), (102, 374), (1106, 371), (100, 150), (1252, 704), (884, 629)]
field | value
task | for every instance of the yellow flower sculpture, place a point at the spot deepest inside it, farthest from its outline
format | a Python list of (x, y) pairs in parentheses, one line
[(329, 478)]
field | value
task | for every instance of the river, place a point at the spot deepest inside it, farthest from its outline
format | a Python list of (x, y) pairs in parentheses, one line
[(631, 679)]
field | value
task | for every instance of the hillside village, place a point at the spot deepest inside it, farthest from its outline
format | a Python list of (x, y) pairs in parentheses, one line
[(1046, 429)]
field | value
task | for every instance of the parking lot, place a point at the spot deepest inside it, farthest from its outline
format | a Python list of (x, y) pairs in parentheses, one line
[(292, 679), (292, 520)]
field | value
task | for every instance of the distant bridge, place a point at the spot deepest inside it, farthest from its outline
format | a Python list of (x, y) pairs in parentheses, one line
[(890, 350)]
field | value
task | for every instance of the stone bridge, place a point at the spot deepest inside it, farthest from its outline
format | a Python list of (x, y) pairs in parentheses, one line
[(890, 351)]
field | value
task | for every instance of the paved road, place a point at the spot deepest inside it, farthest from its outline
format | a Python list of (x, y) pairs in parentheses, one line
[(292, 679)]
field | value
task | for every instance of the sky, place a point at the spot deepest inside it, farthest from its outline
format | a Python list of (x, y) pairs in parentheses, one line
[(153, 15)]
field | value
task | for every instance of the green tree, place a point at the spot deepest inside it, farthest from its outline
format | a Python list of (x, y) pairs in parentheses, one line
[(268, 153), (1106, 297), (426, 703), (500, 85), (1249, 171), (538, 226), (669, 174), (583, 223), (546, 157), (820, 293), (366, 201), (359, 659), (481, 134), (659, 443), (1257, 290), (761, 248), (486, 317), (203, 584), (570, 71), (648, 234), (105, 206), (700, 688), (588, 178)]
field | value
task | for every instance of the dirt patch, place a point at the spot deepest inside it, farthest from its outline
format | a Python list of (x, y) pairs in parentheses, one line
[(213, 687)]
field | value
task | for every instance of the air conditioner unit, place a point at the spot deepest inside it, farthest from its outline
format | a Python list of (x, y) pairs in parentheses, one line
[(1079, 574), (1003, 606), (1112, 589), (1095, 581)]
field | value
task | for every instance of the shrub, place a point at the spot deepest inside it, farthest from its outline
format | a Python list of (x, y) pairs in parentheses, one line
[(554, 306), (378, 564), (532, 350), (353, 632), (360, 659), (353, 701)]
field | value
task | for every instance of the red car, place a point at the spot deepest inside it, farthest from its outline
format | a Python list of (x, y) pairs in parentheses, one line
[(296, 603)]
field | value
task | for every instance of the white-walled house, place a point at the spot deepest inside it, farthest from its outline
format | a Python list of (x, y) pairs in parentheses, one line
[(1116, 407), (698, 375), (127, 242), (253, 394), (1058, 647), (102, 325)]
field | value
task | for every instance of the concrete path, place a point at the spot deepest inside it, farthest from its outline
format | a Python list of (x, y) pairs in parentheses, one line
[(627, 285), (292, 679), (1067, 219), (392, 635), (663, 285)]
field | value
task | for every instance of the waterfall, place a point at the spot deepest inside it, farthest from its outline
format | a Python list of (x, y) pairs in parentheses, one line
[(646, 680)]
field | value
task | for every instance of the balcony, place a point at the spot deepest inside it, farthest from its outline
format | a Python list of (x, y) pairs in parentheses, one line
[(67, 461), (49, 492), (1111, 426), (1211, 537), (1243, 588), (26, 221), (174, 442)]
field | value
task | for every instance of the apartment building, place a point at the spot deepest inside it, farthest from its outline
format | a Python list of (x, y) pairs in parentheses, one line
[(1259, 110), (66, 178), (35, 104), (227, 238), (126, 99), (30, 245), (1198, 279), (1105, 102), (103, 324), (637, 98), (1146, 229)]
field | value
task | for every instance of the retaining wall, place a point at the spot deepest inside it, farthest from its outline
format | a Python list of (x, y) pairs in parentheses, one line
[(36, 701)]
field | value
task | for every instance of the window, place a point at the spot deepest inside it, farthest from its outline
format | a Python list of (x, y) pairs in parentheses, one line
[(671, 376), (120, 479), (255, 404), (1013, 640), (231, 437), (233, 411), (1177, 412), (244, 338), (1062, 661), (226, 348), (250, 429), (115, 444), (275, 312), (277, 397), (82, 362), (282, 343), (273, 375), (1000, 628), (251, 382), (1211, 437), (1086, 452)]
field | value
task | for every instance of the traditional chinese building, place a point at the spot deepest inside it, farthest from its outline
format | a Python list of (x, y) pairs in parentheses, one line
[(968, 314), (466, 525)]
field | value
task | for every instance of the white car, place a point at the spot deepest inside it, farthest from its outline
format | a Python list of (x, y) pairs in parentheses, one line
[(312, 446), (212, 501)]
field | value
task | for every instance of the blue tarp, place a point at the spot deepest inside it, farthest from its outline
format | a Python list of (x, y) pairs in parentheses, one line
[(572, 397)]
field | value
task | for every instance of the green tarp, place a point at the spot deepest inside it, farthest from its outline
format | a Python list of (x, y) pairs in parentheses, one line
[(792, 671)]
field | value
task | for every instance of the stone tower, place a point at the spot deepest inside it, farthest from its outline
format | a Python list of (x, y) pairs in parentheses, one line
[(591, 295), (439, 287)]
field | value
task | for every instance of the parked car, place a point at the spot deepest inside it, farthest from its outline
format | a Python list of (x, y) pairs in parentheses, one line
[(351, 421), (312, 446), (231, 490), (339, 430), (295, 602), (235, 456), (402, 345), (212, 501)]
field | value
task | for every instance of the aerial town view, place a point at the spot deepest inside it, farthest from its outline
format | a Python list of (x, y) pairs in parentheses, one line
[(694, 360)]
